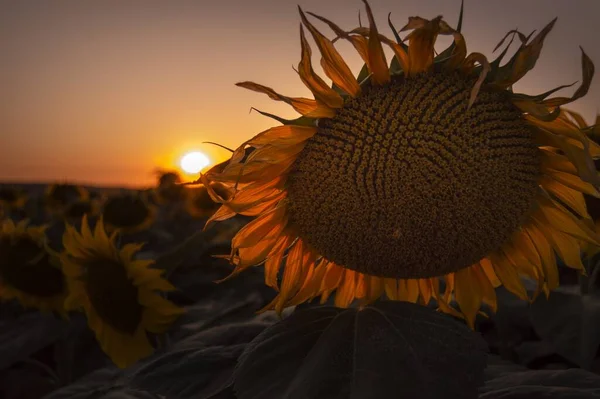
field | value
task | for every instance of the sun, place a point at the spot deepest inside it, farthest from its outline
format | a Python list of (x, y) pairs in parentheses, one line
[(194, 162)]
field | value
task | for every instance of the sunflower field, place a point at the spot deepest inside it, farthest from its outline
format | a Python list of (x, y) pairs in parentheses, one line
[(421, 230)]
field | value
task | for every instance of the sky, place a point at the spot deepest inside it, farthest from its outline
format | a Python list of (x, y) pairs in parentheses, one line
[(103, 92)]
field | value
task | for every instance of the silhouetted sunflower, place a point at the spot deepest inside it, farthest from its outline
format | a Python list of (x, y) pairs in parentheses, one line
[(201, 205), (76, 210), (12, 198), (29, 270), (58, 196), (117, 293), (429, 168), (169, 189), (128, 213)]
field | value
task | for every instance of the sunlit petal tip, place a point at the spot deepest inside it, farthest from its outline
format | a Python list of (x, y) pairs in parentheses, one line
[(377, 60)]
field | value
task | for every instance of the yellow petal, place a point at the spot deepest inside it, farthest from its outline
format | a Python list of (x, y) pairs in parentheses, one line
[(332, 62), (315, 84), (508, 275), (298, 260), (421, 43), (304, 106), (573, 198), (546, 253), (467, 293), (346, 292), (470, 60), (265, 227), (377, 63), (562, 220), (274, 259)]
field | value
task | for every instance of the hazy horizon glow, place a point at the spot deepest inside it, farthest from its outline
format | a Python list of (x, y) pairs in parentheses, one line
[(105, 92)]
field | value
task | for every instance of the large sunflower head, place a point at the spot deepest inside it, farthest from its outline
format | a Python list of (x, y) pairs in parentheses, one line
[(128, 213), (118, 293), (59, 195), (29, 271), (424, 168), (12, 198), (201, 205)]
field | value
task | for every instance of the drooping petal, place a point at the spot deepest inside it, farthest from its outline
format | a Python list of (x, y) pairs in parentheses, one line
[(485, 68), (587, 67), (377, 63), (523, 61), (315, 84), (421, 43), (332, 62), (304, 106)]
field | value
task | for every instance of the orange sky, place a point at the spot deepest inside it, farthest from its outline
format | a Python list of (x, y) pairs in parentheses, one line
[(102, 92)]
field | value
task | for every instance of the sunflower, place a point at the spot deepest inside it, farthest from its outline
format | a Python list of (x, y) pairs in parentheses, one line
[(424, 170), (75, 210), (169, 188), (116, 292), (59, 195), (128, 213), (29, 271), (12, 198), (201, 205)]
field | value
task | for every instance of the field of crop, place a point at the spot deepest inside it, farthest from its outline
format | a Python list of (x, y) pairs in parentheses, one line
[(538, 350)]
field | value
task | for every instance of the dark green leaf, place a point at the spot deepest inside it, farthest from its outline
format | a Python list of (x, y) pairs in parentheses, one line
[(224, 335), (27, 334), (210, 314), (543, 384), (194, 372), (571, 323), (363, 74), (95, 385), (128, 393), (390, 347), (395, 31)]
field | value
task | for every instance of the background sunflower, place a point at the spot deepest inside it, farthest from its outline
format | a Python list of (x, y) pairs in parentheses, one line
[(169, 189), (29, 271), (128, 212), (117, 293), (12, 198), (59, 195)]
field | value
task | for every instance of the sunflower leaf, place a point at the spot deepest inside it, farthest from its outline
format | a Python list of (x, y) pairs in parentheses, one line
[(391, 346), (395, 31), (195, 372), (27, 334), (516, 384), (571, 323), (101, 384), (364, 72)]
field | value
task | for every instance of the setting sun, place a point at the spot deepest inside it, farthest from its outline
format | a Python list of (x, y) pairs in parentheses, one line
[(194, 162)]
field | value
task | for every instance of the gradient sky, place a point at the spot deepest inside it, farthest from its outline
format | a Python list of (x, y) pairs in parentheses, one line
[(103, 92)]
